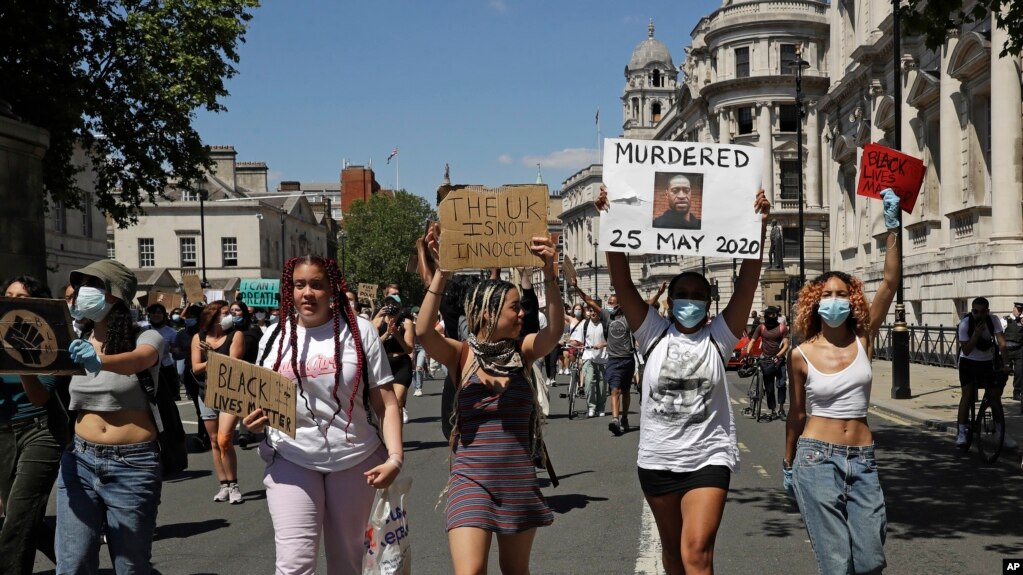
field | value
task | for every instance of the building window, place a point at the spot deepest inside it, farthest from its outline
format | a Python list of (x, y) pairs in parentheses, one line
[(655, 110), (746, 120), (111, 251), (790, 239), (789, 179), (229, 250), (87, 217), (657, 79), (788, 57), (147, 253), (742, 62), (788, 118), (187, 252), (59, 218)]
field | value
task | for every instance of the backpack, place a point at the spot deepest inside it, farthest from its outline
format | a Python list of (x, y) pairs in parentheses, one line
[(170, 432)]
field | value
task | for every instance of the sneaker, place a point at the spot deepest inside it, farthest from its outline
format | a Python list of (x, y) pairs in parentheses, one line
[(625, 423), (224, 494), (591, 412), (961, 437), (615, 427), (235, 494), (418, 392), (602, 414), (404, 415)]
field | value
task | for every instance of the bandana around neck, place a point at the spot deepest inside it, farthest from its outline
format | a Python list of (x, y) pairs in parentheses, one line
[(496, 358)]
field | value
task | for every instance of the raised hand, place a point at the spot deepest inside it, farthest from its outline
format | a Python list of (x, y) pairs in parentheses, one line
[(762, 206), (82, 352), (543, 248), (433, 242), (891, 208), (602, 203)]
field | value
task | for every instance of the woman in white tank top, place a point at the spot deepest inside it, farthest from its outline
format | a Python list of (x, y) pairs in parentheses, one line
[(829, 463)]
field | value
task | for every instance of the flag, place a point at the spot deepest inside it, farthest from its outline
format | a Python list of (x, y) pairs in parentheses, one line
[(394, 153), (596, 120)]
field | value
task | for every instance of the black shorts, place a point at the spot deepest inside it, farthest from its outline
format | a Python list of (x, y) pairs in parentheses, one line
[(401, 369), (619, 372), (655, 482), (979, 374)]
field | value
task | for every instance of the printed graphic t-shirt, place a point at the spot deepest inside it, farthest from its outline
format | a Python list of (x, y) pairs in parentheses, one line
[(316, 445), (686, 418)]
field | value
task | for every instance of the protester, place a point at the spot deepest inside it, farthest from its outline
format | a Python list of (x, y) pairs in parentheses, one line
[(497, 417), (829, 450), (980, 335), (774, 347), (111, 476), (687, 444), (217, 334), (397, 333), (30, 445), (158, 321), (322, 482), (588, 335), (241, 316), (181, 351)]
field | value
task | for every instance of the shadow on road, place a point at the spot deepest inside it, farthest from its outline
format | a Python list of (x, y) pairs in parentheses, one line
[(562, 504), (182, 530), (421, 445), (188, 475), (545, 482), (254, 495)]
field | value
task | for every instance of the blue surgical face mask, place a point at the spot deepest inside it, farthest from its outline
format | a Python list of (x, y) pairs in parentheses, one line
[(689, 312), (273, 318), (578, 314), (175, 318), (834, 311), (91, 303), (237, 320), (190, 322)]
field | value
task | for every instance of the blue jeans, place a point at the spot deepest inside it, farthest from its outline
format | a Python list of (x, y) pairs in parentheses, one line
[(420, 372), (120, 484), (842, 505)]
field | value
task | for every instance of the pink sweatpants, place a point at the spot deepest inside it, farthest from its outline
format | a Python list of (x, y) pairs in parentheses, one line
[(305, 504)]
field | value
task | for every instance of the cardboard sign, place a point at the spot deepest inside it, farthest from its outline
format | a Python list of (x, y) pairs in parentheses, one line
[(681, 198), (169, 300), (260, 293), (569, 268), (491, 228), (882, 167), (238, 387), (193, 288), (368, 292), (35, 334)]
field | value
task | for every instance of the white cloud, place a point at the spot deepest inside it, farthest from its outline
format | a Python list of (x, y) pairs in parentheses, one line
[(505, 159), (570, 158), (498, 5)]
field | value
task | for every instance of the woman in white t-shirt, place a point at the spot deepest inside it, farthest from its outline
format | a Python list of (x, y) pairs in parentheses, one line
[(320, 485), (687, 444)]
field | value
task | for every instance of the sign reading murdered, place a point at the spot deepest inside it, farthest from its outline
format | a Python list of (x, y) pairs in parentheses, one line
[(35, 335), (681, 198), (260, 293), (239, 387), (491, 228), (883, 167)]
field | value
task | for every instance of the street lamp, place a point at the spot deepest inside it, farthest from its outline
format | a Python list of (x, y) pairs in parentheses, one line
[(596, 292), (798, 64), (203, 196), (900, 331), (823, 225)]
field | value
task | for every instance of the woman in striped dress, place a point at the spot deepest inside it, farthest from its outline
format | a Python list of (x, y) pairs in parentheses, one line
[(493, 487)]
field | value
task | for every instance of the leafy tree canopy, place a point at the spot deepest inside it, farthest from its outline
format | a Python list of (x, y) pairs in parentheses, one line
[(934, 19), (380, 235), (123, 79)]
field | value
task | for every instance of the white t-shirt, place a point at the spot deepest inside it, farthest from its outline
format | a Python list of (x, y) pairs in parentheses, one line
[(977, 354), (686, 419), (594, 335), (310, 448)]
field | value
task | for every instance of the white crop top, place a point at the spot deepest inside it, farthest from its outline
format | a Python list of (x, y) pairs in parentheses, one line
[(841, 395)]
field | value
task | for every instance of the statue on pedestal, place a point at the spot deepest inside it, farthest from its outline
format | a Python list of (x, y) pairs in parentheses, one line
[(777, 251)]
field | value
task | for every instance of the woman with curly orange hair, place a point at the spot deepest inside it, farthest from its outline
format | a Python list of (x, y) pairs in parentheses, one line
[(829, 461)]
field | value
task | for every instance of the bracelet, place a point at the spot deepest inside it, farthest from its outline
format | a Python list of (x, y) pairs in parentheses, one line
[(433, 292), (394, 462)]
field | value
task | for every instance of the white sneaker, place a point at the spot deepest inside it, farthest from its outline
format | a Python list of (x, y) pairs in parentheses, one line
[(235, 494), (224, 494), (602, 414), (961, 437), (591, 412), (404, 415), (418, 392)]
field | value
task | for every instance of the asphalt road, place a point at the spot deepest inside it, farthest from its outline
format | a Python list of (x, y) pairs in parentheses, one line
[(946, 513)]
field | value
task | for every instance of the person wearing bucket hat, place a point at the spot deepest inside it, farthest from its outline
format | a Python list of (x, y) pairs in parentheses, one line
[(111, 474)]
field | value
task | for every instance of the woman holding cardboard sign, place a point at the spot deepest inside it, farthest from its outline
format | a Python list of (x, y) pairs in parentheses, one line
[(687, 444), (320, 484), (496, 416)]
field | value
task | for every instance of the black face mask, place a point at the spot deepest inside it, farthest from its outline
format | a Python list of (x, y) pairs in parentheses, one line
[(771, 321)]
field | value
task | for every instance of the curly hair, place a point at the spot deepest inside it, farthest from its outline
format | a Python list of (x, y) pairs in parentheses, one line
[(211, 315), (807, 323), (34, 287)]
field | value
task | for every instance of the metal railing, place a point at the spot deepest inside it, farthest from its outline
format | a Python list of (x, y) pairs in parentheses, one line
[(928, 345)]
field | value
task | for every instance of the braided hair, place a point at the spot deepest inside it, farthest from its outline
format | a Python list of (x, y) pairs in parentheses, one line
[(340, 307)]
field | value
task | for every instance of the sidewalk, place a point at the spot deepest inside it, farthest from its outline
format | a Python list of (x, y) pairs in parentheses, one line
[(934, 401)]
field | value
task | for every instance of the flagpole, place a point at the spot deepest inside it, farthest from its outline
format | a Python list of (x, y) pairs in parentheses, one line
[(598, 135), (397, 182)]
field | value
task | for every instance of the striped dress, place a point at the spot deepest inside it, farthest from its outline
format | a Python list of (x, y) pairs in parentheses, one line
[(493, 480)]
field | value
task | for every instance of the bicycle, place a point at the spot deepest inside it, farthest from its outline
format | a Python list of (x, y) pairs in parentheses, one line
[(987, 429), (574, 386), (755, 392)]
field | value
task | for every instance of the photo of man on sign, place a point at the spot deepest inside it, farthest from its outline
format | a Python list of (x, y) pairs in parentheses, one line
[(678, 200)]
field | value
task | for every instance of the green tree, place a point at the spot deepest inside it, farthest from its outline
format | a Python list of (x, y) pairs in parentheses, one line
[(934, 19), (123, 79), (380, 235)]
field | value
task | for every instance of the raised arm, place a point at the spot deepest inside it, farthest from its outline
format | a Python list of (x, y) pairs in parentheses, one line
[(440, 348), (621, 277), (537, 345), (748, 281), (660, 291), (586, 299), (890, 282)]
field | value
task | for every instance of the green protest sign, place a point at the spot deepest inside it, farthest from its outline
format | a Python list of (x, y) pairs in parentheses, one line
[(260, 293)]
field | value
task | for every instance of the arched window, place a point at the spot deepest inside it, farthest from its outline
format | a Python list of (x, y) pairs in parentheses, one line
[(657, 79), (635, 107), (655, 111)]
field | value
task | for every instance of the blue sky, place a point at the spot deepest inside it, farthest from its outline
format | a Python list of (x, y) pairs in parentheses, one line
[(489, 86)]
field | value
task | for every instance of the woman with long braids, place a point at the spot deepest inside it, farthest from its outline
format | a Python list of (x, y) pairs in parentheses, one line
[(829, 450), (321, 483), (397, 335), (217, 333), (111, 474), (493, 486)]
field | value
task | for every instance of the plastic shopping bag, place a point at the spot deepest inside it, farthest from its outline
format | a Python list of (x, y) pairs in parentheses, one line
[(543, 391), (388, 549)]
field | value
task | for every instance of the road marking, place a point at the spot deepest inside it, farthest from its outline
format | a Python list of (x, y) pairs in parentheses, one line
[(649, 560), (743, 448), (763, 472), (180, 403), (190, 422), (890, 417)]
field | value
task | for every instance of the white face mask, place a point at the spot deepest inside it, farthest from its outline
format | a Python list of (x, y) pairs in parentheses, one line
[(260, 315), (226, 322)]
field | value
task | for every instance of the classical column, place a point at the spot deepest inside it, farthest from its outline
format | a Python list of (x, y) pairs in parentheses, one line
[(724, 129), (813, 156), (766, 132), (951, 184), (1006, 134)]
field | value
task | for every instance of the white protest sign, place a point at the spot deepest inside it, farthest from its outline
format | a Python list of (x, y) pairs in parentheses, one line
[(681, 198)]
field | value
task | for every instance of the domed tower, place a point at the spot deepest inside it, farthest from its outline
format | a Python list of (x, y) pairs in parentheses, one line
[(650, 87)]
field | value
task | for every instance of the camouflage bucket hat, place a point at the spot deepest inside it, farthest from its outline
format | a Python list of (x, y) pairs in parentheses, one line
[(119, 280)]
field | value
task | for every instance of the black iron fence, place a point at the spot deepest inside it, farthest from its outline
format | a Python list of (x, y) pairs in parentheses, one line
[(928, 344)]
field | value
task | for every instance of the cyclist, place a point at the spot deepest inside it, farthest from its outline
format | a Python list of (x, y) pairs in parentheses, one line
[(590, 335), (978, 333), (773, 347)]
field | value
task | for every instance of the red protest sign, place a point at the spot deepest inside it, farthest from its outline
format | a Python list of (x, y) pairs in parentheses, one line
[(883, 167)]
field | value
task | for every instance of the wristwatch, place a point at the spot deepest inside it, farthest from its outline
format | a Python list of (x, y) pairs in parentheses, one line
[(786, 464)]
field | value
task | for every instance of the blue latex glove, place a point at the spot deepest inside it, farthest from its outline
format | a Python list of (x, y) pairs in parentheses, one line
[(84, 353), (786, 482), (891, 208)]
